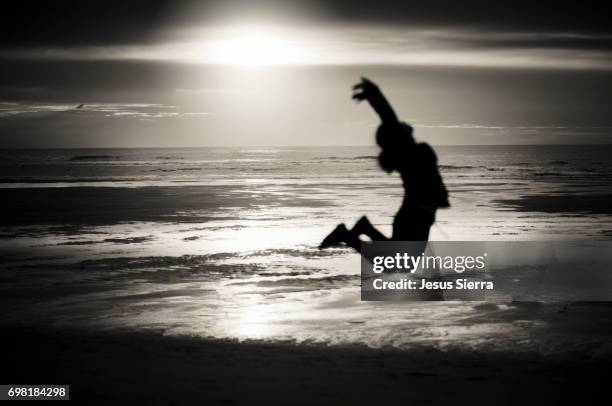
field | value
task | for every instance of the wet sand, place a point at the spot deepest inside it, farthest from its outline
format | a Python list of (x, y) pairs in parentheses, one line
[(207, 243), (149, 368), (111, 205), (570, 203)]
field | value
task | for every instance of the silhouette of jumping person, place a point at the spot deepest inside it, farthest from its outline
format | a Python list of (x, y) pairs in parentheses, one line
[(418, 167)]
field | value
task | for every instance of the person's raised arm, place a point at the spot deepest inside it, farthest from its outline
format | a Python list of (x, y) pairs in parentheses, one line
[(367, 90)]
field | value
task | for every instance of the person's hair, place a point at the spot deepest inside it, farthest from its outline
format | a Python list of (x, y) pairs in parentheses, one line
[(394, 141)]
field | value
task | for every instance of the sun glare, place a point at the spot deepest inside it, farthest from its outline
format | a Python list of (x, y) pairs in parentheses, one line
[(254, 49)]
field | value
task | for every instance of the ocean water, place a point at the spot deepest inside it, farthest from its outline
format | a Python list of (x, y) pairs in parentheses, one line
[(221, 242)]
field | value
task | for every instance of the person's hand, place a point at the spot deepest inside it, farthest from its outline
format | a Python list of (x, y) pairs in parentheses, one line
[(365, 90)]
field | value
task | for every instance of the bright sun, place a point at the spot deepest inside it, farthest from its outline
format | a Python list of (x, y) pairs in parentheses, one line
[(255, 49)]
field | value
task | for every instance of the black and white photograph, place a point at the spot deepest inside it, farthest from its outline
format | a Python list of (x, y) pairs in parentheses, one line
[(306, 202)]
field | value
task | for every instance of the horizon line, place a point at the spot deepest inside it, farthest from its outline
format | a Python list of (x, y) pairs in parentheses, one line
[(302, 146)]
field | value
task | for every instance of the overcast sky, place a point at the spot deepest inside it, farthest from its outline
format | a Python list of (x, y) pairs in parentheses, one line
[(213, 73)]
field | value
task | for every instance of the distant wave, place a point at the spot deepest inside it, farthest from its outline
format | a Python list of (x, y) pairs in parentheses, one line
[(459, 167), (94, 157), (348, 158), (126, 240), (177, 169), (450, 167), (168, 158), (68, 180)]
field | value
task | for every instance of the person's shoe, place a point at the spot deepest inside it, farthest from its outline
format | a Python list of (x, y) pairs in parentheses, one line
[(335, 237)]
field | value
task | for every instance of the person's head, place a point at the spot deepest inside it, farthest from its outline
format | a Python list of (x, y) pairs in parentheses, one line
[(394, 142)]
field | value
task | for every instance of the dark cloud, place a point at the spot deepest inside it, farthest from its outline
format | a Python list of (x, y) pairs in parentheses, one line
[(572, 16), (30, 23)]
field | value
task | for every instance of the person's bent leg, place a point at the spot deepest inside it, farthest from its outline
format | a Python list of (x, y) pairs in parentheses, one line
[(364, 227), (341, 235), (334, 238), (352, 240), (414, 226)]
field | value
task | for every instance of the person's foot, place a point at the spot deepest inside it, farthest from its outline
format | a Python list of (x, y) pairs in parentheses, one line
[(335, 237)]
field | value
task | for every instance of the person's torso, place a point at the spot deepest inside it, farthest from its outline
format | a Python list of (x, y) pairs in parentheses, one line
[(423, 184)]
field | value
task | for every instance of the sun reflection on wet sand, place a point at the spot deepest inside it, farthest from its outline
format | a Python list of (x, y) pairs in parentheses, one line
[(253, 321)]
